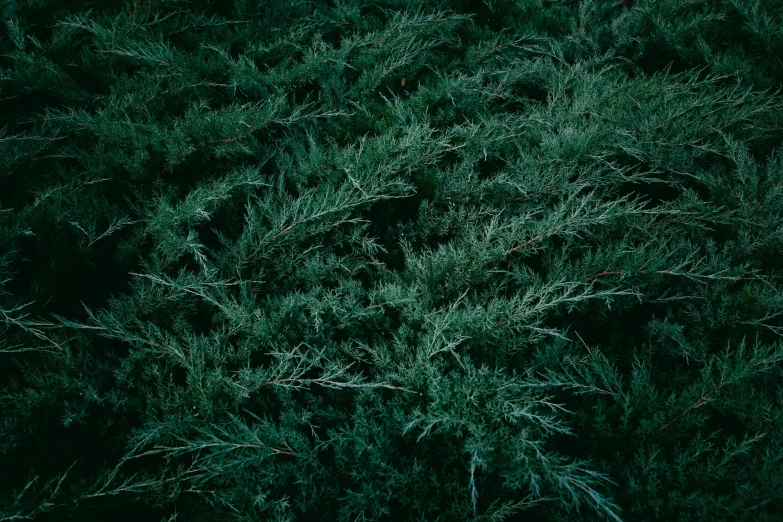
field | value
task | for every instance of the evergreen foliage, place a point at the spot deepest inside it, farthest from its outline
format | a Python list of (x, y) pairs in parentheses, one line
[(391, 260)]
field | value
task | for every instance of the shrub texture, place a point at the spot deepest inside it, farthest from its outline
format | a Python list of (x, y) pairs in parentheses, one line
[(387, 260)]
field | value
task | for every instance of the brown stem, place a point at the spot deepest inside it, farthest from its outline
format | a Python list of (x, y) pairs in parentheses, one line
[(526, 243), (692, 406), (605, 273)]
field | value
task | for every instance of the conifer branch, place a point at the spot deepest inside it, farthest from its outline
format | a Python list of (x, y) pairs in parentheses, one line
[(449, 203), (692, 407)]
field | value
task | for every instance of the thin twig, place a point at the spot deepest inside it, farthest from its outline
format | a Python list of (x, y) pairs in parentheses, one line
[(692, 406), (526, 243)]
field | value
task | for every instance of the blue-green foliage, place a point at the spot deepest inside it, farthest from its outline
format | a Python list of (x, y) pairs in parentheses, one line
[(391, 260)]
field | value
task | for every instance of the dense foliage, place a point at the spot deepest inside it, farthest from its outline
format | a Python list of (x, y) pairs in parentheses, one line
[(391, 260)]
